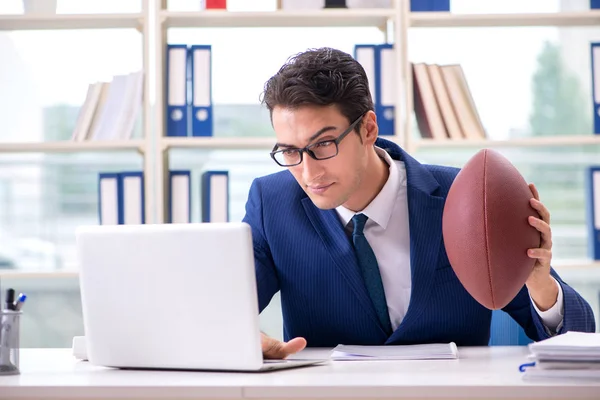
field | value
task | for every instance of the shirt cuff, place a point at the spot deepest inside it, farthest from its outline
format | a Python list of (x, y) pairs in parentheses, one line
[(553, 317)]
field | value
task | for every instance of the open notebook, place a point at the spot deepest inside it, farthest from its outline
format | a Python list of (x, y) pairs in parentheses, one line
[(432, 351)]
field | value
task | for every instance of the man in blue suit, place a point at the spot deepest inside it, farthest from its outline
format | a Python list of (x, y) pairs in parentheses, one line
[(350, 233)]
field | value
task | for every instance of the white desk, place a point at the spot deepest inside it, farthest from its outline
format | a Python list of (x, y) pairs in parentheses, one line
[(483, 373)]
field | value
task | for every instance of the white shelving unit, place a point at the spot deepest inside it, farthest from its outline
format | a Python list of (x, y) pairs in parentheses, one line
[(448, 20), (138, 21), (67, 146), (264, 143), (71, 21), (401, 20), (518, 142), (589, 18), (153, 24), (276, 19)]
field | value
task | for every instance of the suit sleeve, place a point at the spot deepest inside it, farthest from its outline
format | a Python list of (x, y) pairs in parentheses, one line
[(266, 276), (578, 315)]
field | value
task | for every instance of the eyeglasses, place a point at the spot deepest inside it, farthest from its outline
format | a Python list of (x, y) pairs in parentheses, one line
[(318, 151)]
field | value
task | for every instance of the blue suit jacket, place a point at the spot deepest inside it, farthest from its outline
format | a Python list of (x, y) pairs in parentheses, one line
[(304, 252)]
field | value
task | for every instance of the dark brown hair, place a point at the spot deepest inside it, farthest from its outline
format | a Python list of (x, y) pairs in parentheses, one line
[(320, 77)]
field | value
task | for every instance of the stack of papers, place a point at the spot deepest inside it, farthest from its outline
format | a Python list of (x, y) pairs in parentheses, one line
[(407, 352), (570, 355)]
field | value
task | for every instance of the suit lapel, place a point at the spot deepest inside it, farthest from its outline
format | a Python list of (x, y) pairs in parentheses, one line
[(337, 244)]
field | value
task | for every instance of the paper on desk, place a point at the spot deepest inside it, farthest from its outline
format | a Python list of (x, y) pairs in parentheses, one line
[(398, 352), (573, 345)]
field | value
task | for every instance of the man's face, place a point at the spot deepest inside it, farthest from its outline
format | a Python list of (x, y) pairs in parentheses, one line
[(329, 183)]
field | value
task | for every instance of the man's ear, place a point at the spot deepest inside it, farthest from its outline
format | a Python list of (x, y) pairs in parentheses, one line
[(369, 129)]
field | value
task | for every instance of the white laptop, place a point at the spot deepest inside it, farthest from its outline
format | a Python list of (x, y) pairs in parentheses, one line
[(172, 296)]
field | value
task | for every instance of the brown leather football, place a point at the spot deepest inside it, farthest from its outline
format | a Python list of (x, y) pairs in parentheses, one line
[(486, 230)]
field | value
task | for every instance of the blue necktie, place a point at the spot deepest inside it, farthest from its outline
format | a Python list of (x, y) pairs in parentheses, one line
[(370, 271)]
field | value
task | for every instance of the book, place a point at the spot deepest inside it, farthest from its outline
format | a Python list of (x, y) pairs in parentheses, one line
[(430, 351)]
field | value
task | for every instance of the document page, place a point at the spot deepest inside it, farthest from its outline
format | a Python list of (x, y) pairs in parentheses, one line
[(572, 355), (401, 352)]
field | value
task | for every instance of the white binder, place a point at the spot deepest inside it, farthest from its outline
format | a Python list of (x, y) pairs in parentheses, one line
[(215, 196), (179, 197), (108, 199), (133, 197)]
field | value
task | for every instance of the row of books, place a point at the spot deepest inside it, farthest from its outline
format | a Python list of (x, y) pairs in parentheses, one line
[(111, 109), (443, 104), (121, 197)]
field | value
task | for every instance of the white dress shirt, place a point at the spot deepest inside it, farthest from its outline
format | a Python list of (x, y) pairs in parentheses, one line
[(387, 231)]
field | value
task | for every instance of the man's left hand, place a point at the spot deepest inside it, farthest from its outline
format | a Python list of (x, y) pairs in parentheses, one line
[(541, 285)]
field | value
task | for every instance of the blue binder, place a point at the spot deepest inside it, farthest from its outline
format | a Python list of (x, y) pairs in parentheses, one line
[(592, 185), (431, 5), (115, 207), (421, 5), (595, 57), (594, 4), (176, 96), (441, 5), (180, 197), (365, 55), (385, 75), (214, 191), (132, 203), (505, 331), (201, 104), (110, 202), (378, 61)]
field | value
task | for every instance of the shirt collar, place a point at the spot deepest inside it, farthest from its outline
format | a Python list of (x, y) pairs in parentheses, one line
[(381, 207)]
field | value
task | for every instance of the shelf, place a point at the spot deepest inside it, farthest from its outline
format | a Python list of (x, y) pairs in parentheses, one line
[(577, 265), (68, 146), (580, 140), (70, 21), (16, 274), (278, 19), (218, 143), (449, 20)]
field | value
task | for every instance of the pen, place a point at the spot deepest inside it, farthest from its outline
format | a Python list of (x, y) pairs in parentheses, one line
[(18, 304), (10, 299), (522, 367)]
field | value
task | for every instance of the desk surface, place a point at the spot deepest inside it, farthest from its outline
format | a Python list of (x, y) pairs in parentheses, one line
[(486, 372)]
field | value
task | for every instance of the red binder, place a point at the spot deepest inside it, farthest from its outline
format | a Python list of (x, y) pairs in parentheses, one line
[(216, 4)]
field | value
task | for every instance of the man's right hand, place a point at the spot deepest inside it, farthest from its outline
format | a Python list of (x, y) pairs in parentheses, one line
[(274, 349)]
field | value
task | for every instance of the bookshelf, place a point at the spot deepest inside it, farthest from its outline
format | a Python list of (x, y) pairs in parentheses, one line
[(154, 21), (400, 19)]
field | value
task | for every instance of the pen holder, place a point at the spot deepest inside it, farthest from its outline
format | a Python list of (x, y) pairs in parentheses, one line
[(9, 342)]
